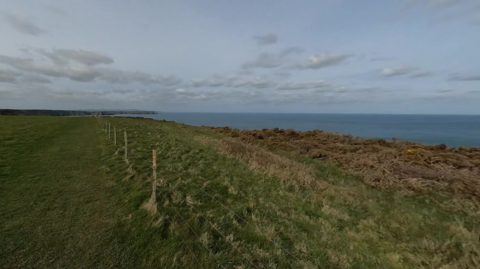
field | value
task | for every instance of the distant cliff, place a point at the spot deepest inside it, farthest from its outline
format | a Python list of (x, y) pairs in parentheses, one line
[(42, 112)]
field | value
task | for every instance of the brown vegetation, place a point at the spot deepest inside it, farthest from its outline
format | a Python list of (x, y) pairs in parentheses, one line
[(381, 163)]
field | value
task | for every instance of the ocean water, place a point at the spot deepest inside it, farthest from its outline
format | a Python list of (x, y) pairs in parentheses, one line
[(453, 130)]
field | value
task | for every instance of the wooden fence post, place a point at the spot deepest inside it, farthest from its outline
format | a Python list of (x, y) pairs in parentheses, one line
[(153, 199), (126, 146), (115, 135), (109, 133)]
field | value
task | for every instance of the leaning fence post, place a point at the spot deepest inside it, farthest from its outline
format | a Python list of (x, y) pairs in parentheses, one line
[(115, 135), (153, 199), (126, 146), (152, 203)]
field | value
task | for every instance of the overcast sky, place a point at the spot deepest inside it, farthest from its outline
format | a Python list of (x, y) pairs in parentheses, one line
[(315, 56)]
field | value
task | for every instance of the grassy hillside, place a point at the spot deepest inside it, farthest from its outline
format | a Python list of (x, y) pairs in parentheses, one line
[(69, 200)]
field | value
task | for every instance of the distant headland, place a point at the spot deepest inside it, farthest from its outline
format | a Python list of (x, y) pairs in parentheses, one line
[(45, 112)]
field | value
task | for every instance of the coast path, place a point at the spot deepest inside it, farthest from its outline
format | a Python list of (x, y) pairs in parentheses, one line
[(56, 210)]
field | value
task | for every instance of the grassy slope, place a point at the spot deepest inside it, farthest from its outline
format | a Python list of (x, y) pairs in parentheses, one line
[(216, 207), (55, 211)]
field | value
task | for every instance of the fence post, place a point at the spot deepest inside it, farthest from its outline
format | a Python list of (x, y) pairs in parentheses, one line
[(153, 199), (126, 146), (109, 133), (115, 135)]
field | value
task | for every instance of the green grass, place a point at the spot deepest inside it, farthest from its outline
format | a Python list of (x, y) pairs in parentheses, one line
[(55, 211), (70, 201)]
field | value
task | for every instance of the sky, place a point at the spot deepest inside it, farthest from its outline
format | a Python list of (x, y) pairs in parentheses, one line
[(270, 56)]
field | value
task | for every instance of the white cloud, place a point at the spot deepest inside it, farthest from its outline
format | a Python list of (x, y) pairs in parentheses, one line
[(303, 85), (88, 73), (323, 60), (395, 71), (411, 72)]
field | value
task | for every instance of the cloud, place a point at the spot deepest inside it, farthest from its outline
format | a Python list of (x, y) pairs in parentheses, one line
[(323, 60), (8, 76), (264, 91), (213, 82), (84, 57), (234, 81), (264, 60), (86, 73), (241, 96), (395, 71), (78, 94), (290, 50), (123, 91), (64, 56), (123, 77), (281, 74), (255, 82), (35, 79), (56, 59), (271, 60), (303, 85), (23, 25), (465, 78), (169, 80), (412, 72), (266, 39), (367, 90)]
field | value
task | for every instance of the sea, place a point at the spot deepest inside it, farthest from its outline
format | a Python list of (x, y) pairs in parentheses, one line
[(452, 130)]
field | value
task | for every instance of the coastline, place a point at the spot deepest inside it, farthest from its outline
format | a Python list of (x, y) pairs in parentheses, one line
[(452, 130), (46, 112)]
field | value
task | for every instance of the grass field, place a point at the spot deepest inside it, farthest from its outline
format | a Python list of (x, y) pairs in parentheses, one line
[(68, 200)]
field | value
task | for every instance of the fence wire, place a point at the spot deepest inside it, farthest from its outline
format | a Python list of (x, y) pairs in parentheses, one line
[(131, 153)]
